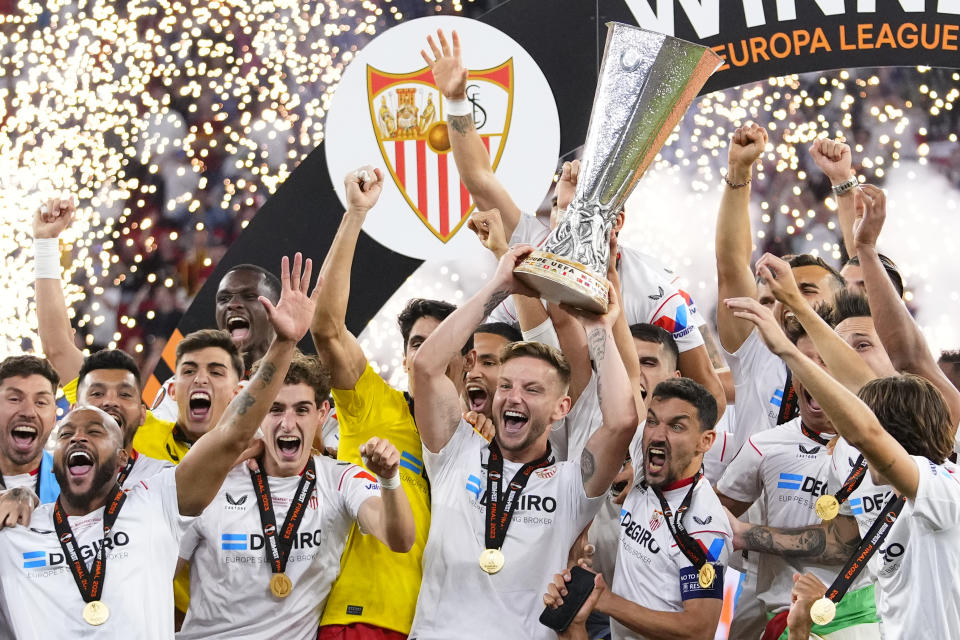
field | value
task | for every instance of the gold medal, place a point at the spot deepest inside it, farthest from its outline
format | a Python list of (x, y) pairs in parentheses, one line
[(95, 613), (823, 611), (706, 575), (280, 585), (827, 507), (492, 560)]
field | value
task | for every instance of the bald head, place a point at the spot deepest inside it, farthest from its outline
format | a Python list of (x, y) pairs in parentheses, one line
[(87, 415)]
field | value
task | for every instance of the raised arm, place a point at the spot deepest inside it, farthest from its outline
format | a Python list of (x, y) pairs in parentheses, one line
[(603, 455), (469, 152), (205, 466), (830, 542), (734, 241), (53, 323), (842, 361), (898, 331), (833, 157), (388, 517), (849, 415), (437, 409), (335, 345)]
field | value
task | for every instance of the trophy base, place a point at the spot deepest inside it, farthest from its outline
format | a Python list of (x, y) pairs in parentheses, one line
[(563, 281)]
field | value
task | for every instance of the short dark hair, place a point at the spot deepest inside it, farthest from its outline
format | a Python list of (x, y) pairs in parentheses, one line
[(308, 370), (530, 349), (272, 281), (109, 359), (809, 260), (795, 330), (417, 308), (914, 412), (951, 356), (693, 392), (505, 330), (646, 332), (27, 365), (849, 304), (203, 338), (893, 271)]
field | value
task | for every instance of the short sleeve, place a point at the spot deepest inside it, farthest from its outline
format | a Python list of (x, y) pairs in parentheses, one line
[(441, 463), (354, 405), (584, 508), (636, 449), (161, 490), (741, 480), (583, 419), (938, 495), (191, 539), (355, 486)]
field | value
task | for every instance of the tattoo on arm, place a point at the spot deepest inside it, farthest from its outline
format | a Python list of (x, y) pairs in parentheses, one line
[(588, 466), (265, 374), (824, 543), (597, 342), (461, 124), (494, 301), (244, 402)]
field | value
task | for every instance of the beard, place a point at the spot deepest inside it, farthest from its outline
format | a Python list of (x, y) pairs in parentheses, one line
[(103, 478), (533, 434)]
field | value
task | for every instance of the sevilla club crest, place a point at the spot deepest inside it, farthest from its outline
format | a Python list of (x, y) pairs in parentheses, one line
[(407, 112)]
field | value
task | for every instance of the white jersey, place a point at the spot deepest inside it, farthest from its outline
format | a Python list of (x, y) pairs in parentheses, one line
[(40, 598), (569, 435), (229, 569), (648, 295), (865, 502), (790, 471), (457, 599), (917, 566), (723, 450), (144, 467), (164, 405), (28, 480), (652, 571), (759, 378)]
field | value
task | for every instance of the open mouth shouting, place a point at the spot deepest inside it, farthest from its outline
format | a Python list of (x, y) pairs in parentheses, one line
[(24, 437), (238, 327), (813, 404), (477, 397), (513, 422), (79, 463), (200, 403), (655, 462), (288, 447)]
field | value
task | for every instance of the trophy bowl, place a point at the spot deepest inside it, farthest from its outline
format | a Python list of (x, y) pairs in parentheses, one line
[(647, 81)]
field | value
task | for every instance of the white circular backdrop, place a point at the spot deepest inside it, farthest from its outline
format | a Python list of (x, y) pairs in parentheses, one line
[(530, 151)]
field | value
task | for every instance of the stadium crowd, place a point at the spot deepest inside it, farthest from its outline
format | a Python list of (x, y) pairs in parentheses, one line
[(548, 470)]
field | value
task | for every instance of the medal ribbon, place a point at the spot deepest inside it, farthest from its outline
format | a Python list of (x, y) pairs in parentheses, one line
[(868, 546), (127, 468), (278, 545), (685, 542), (813, 435), (498, 516), (789, 406), (853, 481), (90, 582)]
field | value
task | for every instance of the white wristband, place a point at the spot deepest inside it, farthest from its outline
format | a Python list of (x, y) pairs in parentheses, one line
[(389, 483), (46, 258), (459, 108)]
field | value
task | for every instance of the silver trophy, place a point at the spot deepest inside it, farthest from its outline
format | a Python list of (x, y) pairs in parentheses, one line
[(647, 82)]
